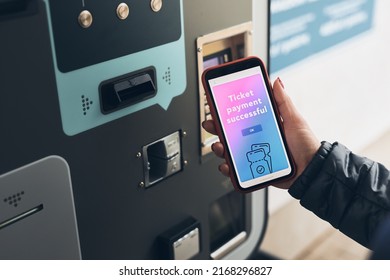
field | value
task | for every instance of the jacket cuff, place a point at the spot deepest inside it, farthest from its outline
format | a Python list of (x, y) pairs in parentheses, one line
[(302, 183)]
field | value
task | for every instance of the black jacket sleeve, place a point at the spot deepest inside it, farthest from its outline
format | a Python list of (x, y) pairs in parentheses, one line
[(349, 191)]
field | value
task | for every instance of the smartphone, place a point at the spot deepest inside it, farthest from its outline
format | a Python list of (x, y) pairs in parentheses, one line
[(248, 123)]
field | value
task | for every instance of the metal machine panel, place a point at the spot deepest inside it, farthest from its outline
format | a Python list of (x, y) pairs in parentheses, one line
[(118, 216)]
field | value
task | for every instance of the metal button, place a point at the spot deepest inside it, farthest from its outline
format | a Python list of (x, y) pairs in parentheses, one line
[(156, 5), (122, 11), (85, 19)]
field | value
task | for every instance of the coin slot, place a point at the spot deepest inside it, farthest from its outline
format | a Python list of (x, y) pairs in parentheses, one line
[(162, 158)]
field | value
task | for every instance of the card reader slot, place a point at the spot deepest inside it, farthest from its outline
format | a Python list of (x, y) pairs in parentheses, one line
[(21, 216)]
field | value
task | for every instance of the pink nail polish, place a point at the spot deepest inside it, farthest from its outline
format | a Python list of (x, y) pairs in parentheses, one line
[(280, 82)]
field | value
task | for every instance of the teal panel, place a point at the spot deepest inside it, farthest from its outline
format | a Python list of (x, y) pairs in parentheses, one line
[(78, 90)]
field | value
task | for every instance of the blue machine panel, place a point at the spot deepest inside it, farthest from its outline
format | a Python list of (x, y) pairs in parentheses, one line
[(86, 57)]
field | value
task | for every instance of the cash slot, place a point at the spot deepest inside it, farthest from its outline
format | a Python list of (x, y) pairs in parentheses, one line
[(127, 90), (21, 216)]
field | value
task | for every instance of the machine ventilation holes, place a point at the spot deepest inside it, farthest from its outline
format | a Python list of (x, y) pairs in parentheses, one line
[(86, 103), (14, 199), (167, 76)]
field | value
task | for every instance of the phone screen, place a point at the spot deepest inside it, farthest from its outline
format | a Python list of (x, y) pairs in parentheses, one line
[(249, 124)]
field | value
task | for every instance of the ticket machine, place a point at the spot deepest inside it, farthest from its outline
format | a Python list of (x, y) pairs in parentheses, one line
[(102, 154)]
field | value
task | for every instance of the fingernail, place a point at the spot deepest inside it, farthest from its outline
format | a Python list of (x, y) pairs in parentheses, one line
[(212, 147), (280, 82)]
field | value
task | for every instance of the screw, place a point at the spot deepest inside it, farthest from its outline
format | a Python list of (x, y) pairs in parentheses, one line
[(186, 162), (141, 184), (200, 50), (138, 155), (184, 134)]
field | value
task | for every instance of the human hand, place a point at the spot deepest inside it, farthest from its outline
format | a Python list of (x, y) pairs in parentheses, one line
[(301, 141)]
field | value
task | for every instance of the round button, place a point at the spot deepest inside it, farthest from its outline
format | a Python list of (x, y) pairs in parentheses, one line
[(85, 19), (122, 11), (156, 5)]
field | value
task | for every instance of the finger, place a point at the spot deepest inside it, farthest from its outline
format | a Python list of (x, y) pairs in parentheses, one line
[(218, 149), (286, 107), (209, 126), (224, 169)]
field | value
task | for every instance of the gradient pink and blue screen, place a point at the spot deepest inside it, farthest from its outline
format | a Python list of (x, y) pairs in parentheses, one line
[(249, 124)]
